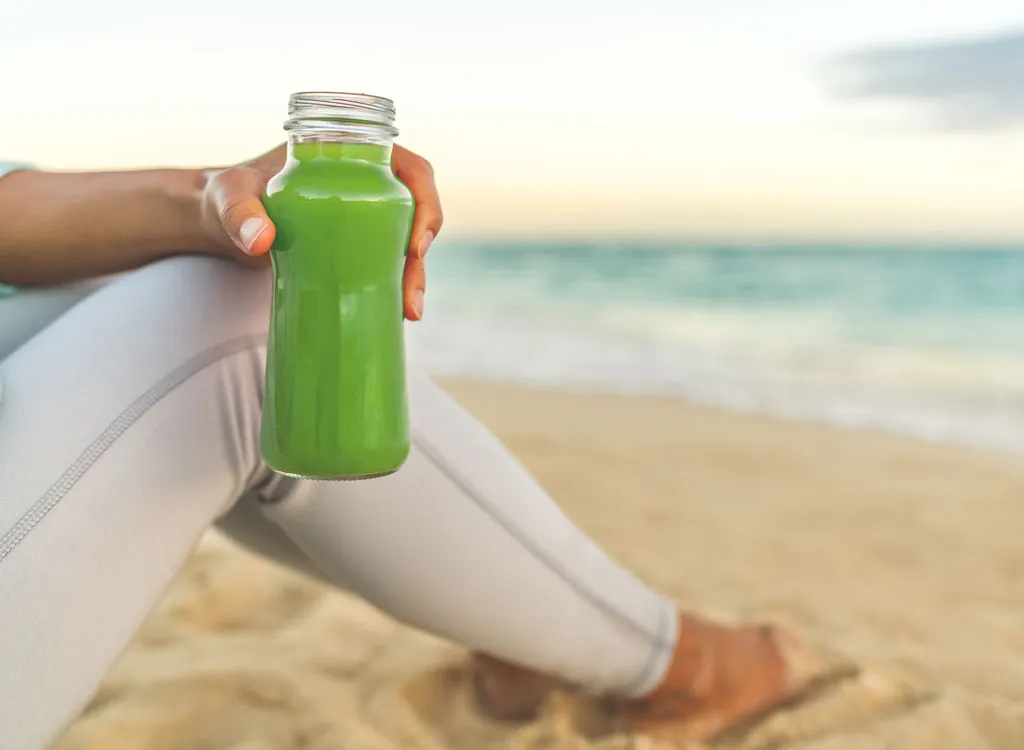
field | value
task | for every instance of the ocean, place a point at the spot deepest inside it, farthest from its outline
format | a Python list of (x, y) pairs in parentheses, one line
[(920, 341)]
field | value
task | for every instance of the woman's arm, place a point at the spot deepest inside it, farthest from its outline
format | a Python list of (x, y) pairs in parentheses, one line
[(59, 227)]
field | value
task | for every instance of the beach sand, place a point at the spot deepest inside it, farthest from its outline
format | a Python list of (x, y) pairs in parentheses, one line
[(906, 557)]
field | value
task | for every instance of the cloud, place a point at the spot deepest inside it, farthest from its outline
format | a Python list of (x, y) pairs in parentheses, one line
[(972, 83)]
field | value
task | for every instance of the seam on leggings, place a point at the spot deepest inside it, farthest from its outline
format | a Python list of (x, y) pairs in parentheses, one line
[(172, 380), (579, 587)]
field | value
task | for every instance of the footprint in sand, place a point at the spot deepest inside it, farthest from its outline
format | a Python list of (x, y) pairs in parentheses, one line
[(441, 699)]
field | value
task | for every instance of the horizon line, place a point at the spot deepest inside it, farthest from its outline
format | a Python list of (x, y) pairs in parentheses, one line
[(701, 242)]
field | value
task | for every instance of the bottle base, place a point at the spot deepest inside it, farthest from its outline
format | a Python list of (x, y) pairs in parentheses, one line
[(347, 478)]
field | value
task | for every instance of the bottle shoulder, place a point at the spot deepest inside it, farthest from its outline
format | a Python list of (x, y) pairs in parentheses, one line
[(346, 180)]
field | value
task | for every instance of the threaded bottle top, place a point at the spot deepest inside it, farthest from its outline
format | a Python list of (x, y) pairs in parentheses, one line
[(326, 116)]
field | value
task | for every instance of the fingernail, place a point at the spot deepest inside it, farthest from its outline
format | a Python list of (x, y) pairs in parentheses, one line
[(417, 303), (428, 237), (250, 231)]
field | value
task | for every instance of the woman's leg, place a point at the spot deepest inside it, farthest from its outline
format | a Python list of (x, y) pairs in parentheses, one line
[(131, 423)]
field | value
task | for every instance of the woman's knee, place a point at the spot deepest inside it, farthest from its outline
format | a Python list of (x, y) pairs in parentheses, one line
[(218, 289)]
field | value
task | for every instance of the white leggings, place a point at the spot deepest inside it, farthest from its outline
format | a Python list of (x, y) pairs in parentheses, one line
[(129, 420)]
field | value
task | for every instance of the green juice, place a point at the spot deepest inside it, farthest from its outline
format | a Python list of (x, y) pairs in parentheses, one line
[(335, 402)]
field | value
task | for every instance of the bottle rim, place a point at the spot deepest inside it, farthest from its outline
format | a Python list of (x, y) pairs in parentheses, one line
[(330, 115)]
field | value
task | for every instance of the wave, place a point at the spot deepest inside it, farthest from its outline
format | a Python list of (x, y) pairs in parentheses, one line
[(775, 364)]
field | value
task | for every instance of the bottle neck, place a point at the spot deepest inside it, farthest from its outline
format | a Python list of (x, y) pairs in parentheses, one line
[(326, 125), (307, 151)]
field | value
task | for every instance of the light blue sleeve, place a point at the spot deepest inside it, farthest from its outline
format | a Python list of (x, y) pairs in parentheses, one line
[(6, 167)]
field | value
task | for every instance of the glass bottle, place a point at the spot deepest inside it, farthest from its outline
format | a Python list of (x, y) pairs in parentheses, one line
[(335, 401)]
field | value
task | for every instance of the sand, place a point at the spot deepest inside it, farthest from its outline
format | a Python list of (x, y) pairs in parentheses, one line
[(906, 557)]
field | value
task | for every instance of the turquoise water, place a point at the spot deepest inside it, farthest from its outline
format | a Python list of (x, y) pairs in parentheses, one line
[(915, 340)]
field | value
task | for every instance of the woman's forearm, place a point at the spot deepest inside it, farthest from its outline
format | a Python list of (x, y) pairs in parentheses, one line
[(59, 227)]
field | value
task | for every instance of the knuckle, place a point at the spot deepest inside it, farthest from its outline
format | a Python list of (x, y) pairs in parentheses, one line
[(235, 207), (424, 166), (415, 273), (235, 189), (229, 208)]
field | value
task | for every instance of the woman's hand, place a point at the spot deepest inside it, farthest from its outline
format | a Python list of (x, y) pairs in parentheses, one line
[(237, 225)]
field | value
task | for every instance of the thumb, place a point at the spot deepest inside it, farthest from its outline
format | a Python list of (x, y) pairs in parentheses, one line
[(236, 196)]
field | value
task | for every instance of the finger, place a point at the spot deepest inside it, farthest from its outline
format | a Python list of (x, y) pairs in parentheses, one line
[(271, 162), (418, 176), (414, 284), (236, 195)]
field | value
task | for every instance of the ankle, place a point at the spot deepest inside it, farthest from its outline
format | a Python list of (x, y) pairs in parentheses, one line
[(691, 670)]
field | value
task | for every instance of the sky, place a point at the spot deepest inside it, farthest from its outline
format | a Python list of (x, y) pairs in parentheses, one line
[(881, 120)]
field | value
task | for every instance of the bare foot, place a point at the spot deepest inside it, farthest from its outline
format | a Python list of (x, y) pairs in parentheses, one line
[(720, 678), (741, 673)]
